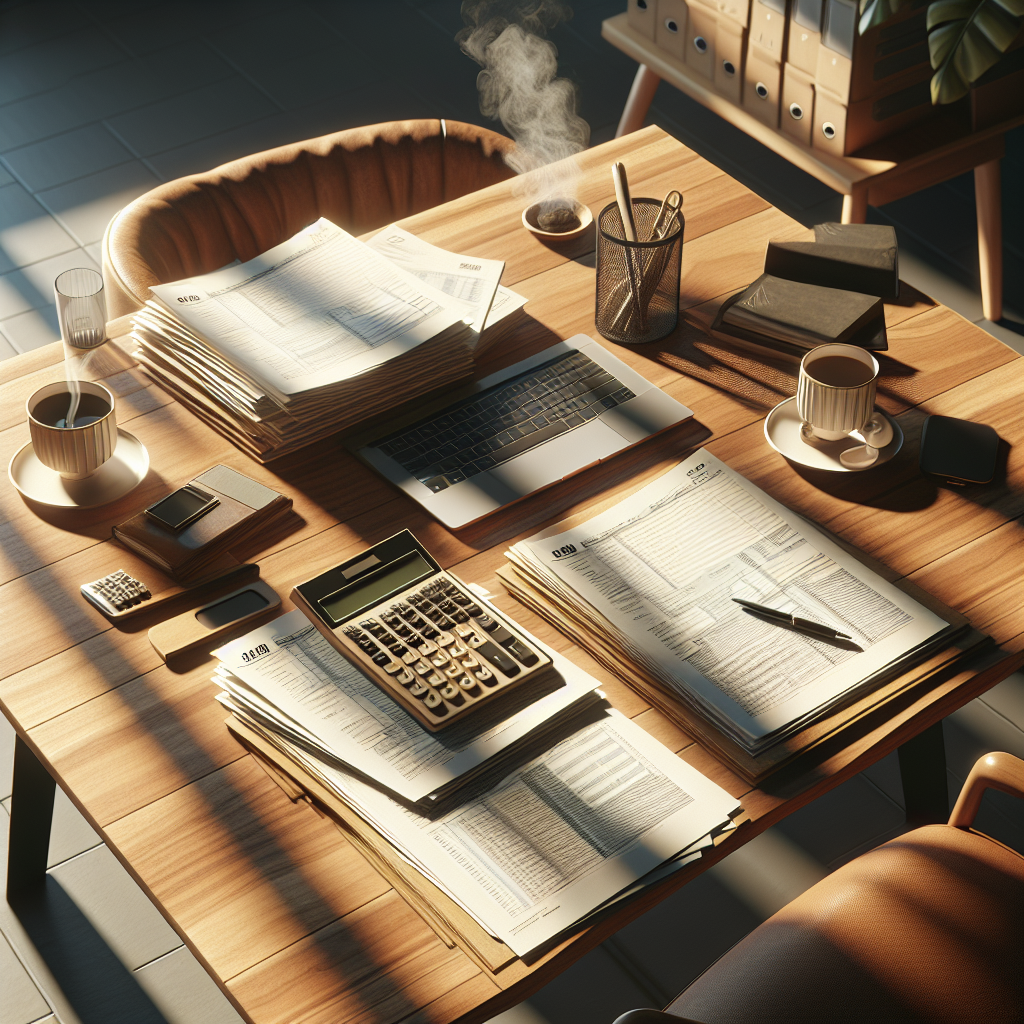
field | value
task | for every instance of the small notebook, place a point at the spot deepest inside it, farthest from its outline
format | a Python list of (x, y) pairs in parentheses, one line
[(854, 257), (245, 507), (796, 316)]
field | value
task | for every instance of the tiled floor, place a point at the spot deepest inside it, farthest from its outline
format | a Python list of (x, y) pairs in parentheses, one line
[(101, 100)]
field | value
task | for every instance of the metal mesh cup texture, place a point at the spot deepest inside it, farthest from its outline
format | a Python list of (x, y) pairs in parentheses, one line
[(637, 294)]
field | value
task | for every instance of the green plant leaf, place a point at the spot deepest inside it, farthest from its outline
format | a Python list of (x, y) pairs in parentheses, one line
[(877, 12), (965, 39)]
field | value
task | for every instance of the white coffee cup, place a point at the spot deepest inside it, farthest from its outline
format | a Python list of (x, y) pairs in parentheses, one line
[(78, 451), (835, 392)]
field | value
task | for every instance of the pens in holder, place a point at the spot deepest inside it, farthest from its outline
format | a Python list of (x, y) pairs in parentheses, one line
[(621, 183)]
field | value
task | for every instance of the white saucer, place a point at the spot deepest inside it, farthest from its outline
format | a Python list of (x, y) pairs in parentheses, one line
[(782, 430), (121, 473)]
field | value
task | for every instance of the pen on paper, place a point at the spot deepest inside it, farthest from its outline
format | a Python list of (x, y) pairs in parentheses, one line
[(807, 625)]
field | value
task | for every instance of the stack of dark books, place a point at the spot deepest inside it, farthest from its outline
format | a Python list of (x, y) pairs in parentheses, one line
[(814, 293)]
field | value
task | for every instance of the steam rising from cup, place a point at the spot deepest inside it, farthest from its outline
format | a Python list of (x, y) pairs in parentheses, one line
[(82, 313), (519, 85)]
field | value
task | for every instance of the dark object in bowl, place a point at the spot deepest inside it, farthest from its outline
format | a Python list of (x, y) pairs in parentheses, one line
[(558, 219)]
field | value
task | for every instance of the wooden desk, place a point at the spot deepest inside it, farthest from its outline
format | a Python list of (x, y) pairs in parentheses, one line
[(884, 172), (273, 900)]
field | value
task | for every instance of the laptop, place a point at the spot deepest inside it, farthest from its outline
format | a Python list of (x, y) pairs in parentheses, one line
[(521, 429)]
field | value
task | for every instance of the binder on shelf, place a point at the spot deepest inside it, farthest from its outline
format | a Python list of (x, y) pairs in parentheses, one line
[(844, 128), (730, 51), (762, 86), (768, 27), (796, 115), (670, 29), (700, 48), (642, 16), (735, 10), (804, 35)]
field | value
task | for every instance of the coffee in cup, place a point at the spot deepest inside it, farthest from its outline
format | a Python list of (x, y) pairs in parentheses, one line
[(836, 390), (73, 427)]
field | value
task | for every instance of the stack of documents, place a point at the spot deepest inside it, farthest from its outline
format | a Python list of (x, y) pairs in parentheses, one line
[(315, 335), (648, 586), (528, 825)]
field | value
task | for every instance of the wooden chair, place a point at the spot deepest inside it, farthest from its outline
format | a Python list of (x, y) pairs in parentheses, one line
[(927, 927), (360, 179)]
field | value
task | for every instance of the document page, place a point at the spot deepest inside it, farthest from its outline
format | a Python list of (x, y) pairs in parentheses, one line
[(317, 309), (557, 838), (286, 671), (469, 281), (663, 566)]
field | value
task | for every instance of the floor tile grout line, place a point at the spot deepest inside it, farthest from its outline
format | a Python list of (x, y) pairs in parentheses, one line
[(162, 956), (996, 711)]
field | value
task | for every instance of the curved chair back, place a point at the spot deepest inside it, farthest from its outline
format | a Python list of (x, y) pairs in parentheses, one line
[(360, 179)]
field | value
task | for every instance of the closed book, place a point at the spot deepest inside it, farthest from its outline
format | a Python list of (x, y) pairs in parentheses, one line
[(244, 508), (800, 316), (854, 257)]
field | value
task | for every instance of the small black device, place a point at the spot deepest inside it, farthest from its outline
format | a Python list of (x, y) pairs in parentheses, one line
[(957, 451), (183, 507)]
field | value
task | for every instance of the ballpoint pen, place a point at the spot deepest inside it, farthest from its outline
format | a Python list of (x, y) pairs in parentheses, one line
[(807, 625)]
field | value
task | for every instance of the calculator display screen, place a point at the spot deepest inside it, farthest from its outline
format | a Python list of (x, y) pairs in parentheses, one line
[(376, 587)]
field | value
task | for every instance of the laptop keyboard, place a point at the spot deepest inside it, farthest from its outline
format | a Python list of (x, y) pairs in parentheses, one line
[(505, 421)]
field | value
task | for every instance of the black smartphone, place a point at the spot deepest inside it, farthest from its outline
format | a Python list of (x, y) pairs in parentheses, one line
[(183, 507), (958, 451)]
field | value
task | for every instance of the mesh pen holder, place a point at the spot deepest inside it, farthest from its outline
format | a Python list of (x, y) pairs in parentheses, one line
[(637, 298)]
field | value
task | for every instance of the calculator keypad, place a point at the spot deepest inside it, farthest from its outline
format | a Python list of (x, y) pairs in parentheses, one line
[(440, 653), (116, 592)]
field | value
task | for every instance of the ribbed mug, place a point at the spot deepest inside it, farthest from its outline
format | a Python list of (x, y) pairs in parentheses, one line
[(73, 452), (828, 400)]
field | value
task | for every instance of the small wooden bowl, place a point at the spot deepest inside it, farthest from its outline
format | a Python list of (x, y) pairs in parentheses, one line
[(583, 212)]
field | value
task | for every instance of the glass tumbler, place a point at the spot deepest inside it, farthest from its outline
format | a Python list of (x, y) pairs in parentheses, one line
[(81, 308)]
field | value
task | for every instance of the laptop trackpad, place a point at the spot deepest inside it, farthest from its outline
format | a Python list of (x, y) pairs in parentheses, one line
[(568, 453)]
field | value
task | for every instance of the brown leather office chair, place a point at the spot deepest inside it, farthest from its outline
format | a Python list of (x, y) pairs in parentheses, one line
[(927, 927), (360, 179)]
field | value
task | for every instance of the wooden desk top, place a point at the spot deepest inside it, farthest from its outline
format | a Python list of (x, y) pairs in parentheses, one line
[(273, 900)]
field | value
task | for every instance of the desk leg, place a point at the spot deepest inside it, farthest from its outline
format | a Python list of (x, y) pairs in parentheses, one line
[(645, 85), (31, 816), (855, 206), (990, 238), (923, 771)]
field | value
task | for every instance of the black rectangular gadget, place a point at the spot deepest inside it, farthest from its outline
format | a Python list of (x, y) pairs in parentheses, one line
[(184, 506), (418, 632), (958, 451)]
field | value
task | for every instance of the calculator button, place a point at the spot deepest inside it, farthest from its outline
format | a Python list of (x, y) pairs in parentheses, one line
[(524, 654), (436, 679), (442, 620), (497, 657), (405, 677), (444, 639), (468, 661), (423, 668), (456, 650), (485, 675), (486, 622), (454, 670), (460, 598), (474, 609), (380, 658), (410, 657), (475, 641), (398, 650), (463, 631), (427, 647), (438, 659), (501, 635), (467, 683), (459, 615), (434, 702), (392, 667), (450, 692), (418, 690), (429, 632)]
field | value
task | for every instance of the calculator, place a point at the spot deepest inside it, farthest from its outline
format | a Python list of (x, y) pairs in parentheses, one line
[(418, 632), (116, 593)]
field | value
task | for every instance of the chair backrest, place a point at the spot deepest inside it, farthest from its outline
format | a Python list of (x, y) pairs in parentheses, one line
[(360, 179)]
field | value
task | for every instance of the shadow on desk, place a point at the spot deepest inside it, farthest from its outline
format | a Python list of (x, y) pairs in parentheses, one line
[(95, 982)]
